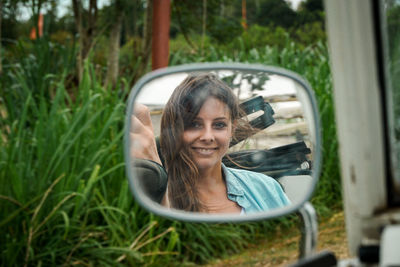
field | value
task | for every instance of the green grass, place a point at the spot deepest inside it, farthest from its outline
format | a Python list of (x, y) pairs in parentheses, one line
[(64, 197)]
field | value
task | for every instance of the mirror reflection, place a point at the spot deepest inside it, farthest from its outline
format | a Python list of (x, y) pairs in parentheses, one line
[(223, 141)]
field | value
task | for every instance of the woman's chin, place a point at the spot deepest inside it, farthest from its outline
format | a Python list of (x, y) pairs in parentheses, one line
[(207, 164)]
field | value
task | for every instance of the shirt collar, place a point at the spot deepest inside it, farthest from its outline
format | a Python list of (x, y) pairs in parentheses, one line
[(232, 184)]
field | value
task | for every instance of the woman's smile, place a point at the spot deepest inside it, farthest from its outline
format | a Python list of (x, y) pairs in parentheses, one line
[(205, 151)]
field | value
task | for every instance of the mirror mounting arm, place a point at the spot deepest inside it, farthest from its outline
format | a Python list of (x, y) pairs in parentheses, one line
[(309, 230)]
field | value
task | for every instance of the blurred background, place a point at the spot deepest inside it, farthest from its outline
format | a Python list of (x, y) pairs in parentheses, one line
[(66, 70)]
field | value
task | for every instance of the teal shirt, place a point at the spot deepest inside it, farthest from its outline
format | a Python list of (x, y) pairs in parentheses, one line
[(254, 191)]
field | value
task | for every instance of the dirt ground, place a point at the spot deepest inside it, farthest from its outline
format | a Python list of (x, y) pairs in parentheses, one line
[(282, 249)]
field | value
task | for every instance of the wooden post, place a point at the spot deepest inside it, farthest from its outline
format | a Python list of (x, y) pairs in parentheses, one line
[(160, 43), (244, 15)]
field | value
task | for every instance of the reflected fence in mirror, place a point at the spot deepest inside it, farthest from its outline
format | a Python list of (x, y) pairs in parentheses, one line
[(196, 159)]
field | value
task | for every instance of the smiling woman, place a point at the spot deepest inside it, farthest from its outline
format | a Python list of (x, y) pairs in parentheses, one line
[(200, 120), (221, 142)]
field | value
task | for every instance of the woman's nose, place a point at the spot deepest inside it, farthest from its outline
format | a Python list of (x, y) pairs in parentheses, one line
[(207, 134)]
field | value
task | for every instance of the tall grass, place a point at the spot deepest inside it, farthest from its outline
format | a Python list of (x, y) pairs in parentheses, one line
[(64, 198)]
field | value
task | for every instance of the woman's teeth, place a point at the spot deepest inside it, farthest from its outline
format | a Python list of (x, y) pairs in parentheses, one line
[(205, 151)]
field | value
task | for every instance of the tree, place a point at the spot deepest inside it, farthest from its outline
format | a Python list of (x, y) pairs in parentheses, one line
[(85, 21), (145, 50), (218, 18), (1, 57), (114, 43), (275, 12), (311, 11)]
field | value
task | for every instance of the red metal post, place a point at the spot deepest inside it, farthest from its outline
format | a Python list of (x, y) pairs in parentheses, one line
[(160, 35)]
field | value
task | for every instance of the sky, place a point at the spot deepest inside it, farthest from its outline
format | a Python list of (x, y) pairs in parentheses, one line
[(295, 3), (63, 5), (62, 8)]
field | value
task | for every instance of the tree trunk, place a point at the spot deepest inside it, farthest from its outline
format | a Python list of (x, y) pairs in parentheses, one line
[(144, 55), (147, 30), (244, 15), (79, 27), (1, 57), (203, 35), (182, 28), (114, 47), (86, 34)]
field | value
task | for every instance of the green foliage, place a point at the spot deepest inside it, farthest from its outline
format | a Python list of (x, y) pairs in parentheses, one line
[(130, 58), (310, 11), (393, 56), (29, 68), (393, 26), (61, 37), (257, 36), (310, 33), (275, 12), (223, 30), (179, 46), (64, 197), (223, 19), (187, 16)]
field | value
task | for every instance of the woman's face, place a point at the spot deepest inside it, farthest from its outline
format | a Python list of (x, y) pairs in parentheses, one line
[(208, 136)]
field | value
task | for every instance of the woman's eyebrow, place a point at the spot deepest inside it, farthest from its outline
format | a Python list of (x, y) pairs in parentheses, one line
[(214, 119), (221, 118)]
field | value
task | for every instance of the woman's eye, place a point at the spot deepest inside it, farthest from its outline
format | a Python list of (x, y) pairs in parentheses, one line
[(220, 125), (195, 125)]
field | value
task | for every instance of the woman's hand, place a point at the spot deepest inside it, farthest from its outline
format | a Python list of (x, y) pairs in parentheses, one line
[(143, 142)]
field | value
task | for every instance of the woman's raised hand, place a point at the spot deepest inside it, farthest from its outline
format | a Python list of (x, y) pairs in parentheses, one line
[(142, 135)]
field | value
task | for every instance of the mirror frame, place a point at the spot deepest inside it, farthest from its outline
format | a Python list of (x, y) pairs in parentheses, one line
[(156, 208)]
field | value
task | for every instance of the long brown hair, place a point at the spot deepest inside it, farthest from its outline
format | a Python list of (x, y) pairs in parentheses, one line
[(181, 109)]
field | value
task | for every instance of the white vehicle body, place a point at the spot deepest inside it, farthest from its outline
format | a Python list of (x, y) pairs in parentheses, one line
[(362, 126)]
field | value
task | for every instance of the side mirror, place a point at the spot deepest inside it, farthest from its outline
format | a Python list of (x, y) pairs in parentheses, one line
[(280, 157)]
